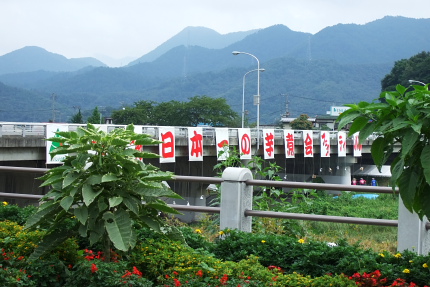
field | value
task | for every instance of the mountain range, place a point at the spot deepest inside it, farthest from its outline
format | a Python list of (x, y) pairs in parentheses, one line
[(304, 73)]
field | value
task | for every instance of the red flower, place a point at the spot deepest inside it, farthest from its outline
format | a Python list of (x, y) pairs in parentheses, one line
[(199, 273), (177, 282), (224, 279), (136, 271), (93, 268)]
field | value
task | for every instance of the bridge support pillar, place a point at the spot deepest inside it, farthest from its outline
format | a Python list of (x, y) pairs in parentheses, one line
[(412, 234), (236, 197)]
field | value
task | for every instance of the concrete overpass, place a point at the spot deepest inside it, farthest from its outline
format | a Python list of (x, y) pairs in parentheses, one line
[(24, 145)]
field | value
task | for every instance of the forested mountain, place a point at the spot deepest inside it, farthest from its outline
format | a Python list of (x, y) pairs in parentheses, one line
[(22, 105), (340, 64), (30, 58)]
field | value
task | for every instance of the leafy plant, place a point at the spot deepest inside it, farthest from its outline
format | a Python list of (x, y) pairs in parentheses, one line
[(401, 117), (105, 186)]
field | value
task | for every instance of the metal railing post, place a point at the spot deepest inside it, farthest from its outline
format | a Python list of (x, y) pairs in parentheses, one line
[(236, 198), (412, 233)]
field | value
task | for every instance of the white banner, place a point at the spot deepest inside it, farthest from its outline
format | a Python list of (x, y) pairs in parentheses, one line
[(167, 147), (308, 144), (269, 143), (51, 129), (358, 147), (245, 143), (325, 143), (341, 144), (289, 143), (222, 143), (195, 144)]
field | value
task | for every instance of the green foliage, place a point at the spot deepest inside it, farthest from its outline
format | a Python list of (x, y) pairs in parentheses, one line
[(302, 123), (13, 212), (402, 118), (96, 117), (77, 118), (198, 110), (416, 67), (105, 186)]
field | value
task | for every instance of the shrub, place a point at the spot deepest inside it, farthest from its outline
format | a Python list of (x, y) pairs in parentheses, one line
[(13, 212)]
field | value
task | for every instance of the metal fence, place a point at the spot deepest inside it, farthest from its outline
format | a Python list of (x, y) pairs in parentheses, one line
[(236, 205)]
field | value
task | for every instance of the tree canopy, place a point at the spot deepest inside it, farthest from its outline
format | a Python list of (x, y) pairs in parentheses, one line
[(96, 117), (198, 110), (416, 68), (302, 123)]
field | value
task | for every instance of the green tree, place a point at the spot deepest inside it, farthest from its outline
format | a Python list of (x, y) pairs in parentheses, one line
[(415, 68), (302, 123), (401, 117), (105, 186), (199, 109), (213, 111), (77, 118), (95, 117)]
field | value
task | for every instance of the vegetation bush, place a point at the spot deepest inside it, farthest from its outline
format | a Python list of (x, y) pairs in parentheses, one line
[(15, 213)]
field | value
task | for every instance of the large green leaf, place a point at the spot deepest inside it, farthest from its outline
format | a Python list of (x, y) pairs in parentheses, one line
[(94, 179), (132, 203), (119, 228), (49, 209), (157, 192), (66, 202), (88, 194), (114, 201), (407, 183), (425, 162), (81, 213), (70, 178), (377, 151), (358, 124), (49, 242), (397, 167), (163, 207), (109, 177), (52, 179), (409, 140)]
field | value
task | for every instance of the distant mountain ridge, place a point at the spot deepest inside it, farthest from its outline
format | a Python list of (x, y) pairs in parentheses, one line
[(194, 36), (339, 64), (32, 58)]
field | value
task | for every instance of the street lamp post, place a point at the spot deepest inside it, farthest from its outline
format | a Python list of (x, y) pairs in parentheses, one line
[(258, 93), (243, 94)]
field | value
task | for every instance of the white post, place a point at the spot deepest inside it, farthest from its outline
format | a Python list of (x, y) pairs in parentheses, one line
[(412, 233), (236, 197)]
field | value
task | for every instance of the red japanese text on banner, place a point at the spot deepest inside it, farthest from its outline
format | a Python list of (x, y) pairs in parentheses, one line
[(357, 145), (195, 144), (308, 144), (289, 143), (325, 143), (341, 144), (51, 130), (222, 143), (269, 143), (245, 143), (167, 147)]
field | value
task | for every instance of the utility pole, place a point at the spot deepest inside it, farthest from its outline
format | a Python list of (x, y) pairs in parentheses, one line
[(54, 97), (287, 105)]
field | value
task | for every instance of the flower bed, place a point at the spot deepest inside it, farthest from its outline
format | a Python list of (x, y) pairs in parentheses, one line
[(239, 259)]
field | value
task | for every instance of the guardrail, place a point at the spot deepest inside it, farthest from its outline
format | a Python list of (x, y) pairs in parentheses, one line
[(236, 205)]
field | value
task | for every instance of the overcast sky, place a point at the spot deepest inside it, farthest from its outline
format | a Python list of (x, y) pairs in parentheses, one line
[(132, 28)]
